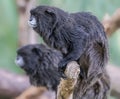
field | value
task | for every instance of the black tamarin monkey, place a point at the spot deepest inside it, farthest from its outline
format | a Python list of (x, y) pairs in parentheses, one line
[(71, 33), (41, 65)]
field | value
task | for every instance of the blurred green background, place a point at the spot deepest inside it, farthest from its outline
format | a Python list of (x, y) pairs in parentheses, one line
[(9, 26)]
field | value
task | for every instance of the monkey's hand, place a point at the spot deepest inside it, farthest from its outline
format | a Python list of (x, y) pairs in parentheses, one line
[(63, 63), (71, 70), (73, 56), (61, 68)]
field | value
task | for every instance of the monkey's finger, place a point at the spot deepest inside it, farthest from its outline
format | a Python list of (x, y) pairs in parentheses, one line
[(63, 76)]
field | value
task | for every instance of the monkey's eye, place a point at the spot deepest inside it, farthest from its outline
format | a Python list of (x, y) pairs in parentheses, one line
[(32, 12), (34, 50)]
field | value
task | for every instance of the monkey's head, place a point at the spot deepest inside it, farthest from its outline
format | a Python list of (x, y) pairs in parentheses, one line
[(40, 64), (43, 19)]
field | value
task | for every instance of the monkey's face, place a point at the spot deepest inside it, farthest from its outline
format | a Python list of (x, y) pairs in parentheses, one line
[(42, 19), (33, 21), (28, 58)]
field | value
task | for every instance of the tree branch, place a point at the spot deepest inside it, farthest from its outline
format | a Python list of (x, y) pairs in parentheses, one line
[(111, 23), (11, 85), (25, 33), (114, 73), (66, 86)]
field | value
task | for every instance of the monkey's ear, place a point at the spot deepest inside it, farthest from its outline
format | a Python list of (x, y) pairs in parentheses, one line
[(50, 11), (37, 51)]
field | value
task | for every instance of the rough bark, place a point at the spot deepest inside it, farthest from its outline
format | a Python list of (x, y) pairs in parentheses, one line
[(66, 86)]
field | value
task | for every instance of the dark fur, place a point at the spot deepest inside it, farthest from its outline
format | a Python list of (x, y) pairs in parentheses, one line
[(42, 68), (81, 37), (73, 34), (41, 65)]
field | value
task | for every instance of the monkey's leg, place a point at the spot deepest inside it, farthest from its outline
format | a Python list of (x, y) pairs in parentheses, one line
[(79, 45), (66, 86)]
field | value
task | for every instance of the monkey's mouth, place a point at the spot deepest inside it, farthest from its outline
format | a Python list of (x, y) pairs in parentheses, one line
[(19, 61), (32, 23)]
